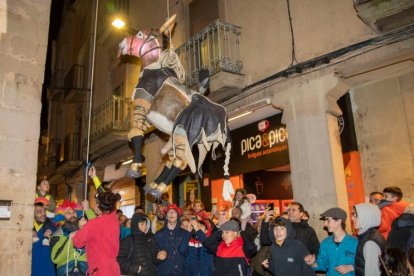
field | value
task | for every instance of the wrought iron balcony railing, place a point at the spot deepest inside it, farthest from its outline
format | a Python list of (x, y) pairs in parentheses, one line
[(215, 48), (113, 115)]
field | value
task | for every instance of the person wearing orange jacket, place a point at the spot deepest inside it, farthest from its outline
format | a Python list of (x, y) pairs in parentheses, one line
[(392, 206)]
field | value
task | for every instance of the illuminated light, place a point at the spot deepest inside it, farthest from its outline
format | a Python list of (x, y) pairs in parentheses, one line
[(127, 162), (240, 115), (118, 23)]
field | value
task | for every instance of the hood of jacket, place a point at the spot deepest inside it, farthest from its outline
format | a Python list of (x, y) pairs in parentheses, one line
[(369, 216), (405, 220), (289, 228), (134, 224)]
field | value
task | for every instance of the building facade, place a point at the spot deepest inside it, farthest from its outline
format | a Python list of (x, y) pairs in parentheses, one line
[(24, 29), (295, 58)]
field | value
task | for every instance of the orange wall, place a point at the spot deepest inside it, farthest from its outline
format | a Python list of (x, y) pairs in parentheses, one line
[(217, 190), (353, 178)]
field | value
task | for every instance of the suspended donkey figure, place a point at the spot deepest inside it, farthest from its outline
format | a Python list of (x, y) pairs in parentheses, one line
[(161, 100)]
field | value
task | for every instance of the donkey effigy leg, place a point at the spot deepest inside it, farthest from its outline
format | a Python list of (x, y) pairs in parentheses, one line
[(136, 135), (176, 164)]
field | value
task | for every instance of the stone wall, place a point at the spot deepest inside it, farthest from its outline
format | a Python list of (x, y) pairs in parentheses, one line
[(24, 27), (384, 122)]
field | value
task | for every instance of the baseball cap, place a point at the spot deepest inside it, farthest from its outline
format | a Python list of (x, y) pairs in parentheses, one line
[(230, 225), (335, 212)]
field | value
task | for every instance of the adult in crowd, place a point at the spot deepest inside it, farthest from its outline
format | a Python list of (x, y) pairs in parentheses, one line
[(100, 237), (42, 191), (376, 197), (240, 200), (67, 258), (399, 248), (287, 254), (391, 207), (42, 228), (158, 221), (173, 240), (304, 232), (337, 252), (232, 249), (139, 210), (137, 252), (366, 218)]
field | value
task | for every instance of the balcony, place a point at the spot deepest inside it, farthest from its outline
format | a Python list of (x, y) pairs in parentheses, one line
[(110, 124), (386, 15), (215, 48), (48, 159), (75, 87), (56, 86), (71, 154)]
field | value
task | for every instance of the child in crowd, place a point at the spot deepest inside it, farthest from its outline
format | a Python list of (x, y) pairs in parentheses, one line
[(337, 252), (287, 254), (42, 193), (391, 207), (199, 210), (136, 252), (366, 218), (199, 259), (232, 249)]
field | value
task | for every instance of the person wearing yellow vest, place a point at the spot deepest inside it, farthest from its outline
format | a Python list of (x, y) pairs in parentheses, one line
[(95, 179), (42, 191)]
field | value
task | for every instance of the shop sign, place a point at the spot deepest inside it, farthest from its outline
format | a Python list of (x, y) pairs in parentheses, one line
[(257, 146)]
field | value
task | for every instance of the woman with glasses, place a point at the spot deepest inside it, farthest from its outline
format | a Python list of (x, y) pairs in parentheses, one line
[(366, 218)]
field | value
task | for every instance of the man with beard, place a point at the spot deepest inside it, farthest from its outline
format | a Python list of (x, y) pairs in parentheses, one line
[(42, 228), (67, 258), (159, 220)]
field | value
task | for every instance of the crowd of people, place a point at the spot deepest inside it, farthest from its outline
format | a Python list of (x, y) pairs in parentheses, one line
[(170, 241)]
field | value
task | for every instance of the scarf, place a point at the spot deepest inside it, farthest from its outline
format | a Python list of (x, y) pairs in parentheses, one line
[(233, 250)]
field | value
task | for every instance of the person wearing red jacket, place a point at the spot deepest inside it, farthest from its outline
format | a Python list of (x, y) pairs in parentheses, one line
[(391, 207), (100, 237)]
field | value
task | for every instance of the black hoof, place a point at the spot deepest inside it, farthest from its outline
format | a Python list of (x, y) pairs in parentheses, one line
[(133, 174)]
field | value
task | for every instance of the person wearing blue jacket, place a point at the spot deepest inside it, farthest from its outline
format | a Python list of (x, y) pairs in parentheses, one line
[(174, 241), (42, 227), (337, 252), (200, 260)]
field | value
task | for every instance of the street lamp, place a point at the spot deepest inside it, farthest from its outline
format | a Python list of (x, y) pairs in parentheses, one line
[(118, 22)]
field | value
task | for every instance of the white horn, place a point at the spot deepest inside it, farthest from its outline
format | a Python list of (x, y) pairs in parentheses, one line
[(167, 24)]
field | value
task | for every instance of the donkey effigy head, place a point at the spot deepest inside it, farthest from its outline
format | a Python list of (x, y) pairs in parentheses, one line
[(145, 44)]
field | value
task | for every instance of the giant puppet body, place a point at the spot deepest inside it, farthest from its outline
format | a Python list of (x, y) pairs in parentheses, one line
[(161, 100)]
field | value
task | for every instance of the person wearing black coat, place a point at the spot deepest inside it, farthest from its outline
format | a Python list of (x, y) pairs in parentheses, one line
[(287, 254), (137, 252), (304, 232)]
